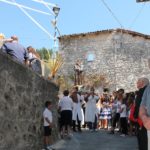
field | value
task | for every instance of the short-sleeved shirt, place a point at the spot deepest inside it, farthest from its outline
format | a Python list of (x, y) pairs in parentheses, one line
[(124, 112), (16, 51), (146, 99), (66, 103), (117, 106), (47, 114)]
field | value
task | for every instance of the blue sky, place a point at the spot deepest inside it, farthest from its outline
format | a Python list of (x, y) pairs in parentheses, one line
[(76, 16)]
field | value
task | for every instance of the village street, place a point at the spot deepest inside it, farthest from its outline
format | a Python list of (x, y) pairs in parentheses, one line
[(99, 140)]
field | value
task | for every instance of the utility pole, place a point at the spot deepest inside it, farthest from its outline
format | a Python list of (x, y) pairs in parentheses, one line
[(54, 22)]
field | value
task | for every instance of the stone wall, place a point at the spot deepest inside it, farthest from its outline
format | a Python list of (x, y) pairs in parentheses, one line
[(119, 56), (23, 94)]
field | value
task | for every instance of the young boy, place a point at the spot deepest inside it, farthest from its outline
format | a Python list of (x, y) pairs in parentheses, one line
[(47, 115)]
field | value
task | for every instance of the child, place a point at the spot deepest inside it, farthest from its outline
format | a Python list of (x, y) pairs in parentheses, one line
[(47, 115), (123, 118)]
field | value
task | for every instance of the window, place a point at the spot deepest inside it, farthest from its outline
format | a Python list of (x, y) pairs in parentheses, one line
[(90, 57)]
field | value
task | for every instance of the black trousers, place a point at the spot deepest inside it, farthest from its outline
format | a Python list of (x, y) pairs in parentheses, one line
[(74, 124), (115, 119), (124, 126), (142, 138)]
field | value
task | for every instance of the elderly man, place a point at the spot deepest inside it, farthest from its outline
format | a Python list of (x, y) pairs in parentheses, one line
[(145, 112), (141, 130), (15, 50)]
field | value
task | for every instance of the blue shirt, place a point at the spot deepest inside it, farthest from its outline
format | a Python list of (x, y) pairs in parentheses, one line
[(16, 51)]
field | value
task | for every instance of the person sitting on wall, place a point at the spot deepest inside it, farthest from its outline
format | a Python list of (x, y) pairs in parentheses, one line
[(1, 39), (34, 60), (15, 50)]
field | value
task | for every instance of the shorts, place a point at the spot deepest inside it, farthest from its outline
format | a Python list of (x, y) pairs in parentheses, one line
[(66, 117), (47, 131)]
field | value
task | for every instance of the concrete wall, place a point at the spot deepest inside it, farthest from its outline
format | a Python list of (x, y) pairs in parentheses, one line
[(121, 57), (23, 94)]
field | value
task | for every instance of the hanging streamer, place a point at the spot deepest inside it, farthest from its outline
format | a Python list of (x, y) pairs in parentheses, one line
[(33, 20), (46, 5), (26, 7), (113, 15)]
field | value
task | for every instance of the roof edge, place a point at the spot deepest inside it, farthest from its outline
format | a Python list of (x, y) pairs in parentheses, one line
[(134, 33)]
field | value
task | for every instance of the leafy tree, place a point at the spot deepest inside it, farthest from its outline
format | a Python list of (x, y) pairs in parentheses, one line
[(51, 59), (45, 53)]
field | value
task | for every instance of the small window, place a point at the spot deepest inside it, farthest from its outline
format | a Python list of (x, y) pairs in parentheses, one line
[(90, 57)]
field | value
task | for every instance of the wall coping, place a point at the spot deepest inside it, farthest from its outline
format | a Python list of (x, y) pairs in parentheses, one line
[(133, 33)]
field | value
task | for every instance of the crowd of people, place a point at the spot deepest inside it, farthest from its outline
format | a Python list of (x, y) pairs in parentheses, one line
[(127, 112), (18, 52), (116, 112)]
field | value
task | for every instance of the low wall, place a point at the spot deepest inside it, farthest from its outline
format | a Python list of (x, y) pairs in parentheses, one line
[(23, 94)]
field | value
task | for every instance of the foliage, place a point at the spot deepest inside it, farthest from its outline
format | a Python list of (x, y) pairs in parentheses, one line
[(96, 80), (62, 83), (65, 82), (44, 53), (54, 63), (52, 60)]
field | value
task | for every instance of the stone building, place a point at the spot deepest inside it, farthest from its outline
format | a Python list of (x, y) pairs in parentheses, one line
[(120, 55)]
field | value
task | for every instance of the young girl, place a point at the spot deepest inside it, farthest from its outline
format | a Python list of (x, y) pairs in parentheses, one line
[(123, 118)]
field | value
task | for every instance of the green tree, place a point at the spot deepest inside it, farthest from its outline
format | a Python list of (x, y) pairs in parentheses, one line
[(45, 53), (51, 59)]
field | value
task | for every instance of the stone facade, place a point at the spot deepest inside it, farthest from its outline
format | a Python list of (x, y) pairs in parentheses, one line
[(23, 94), (121, 55)]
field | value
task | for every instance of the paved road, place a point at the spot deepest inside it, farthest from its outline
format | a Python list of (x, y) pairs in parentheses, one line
[(99, 140)]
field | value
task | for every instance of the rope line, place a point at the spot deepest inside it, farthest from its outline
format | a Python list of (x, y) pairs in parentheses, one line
[(46, 5), (113, 15), (26, 7), (137, 16), (43, 2), (33, 20)]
